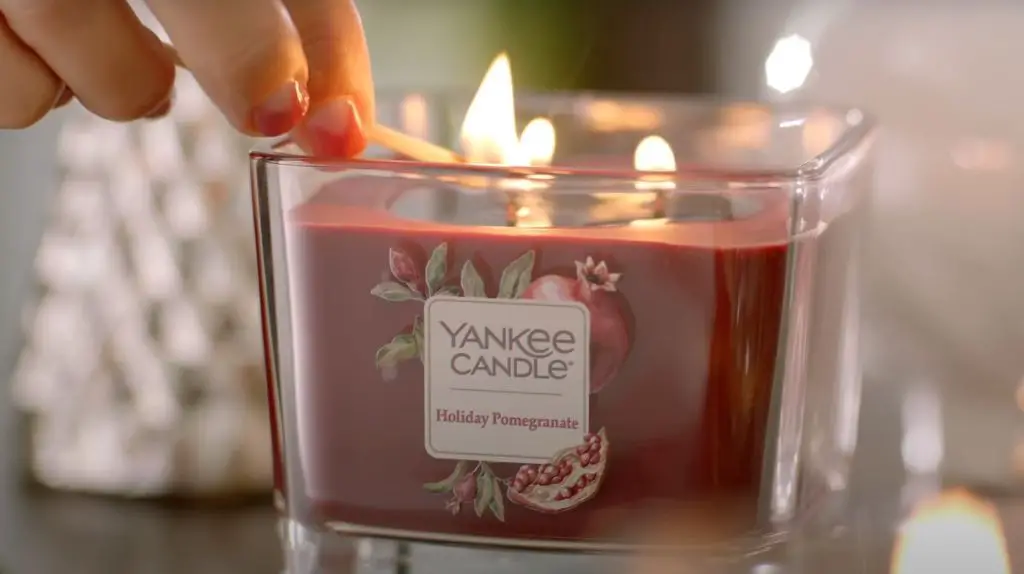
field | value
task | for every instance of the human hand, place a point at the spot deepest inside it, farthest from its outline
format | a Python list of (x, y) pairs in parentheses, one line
[(271, 66)]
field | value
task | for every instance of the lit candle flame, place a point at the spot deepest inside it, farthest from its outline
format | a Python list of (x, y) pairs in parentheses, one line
[(537, 144), (955, 532), (536, 148), (489, 129), (643, 207), (654, 154), (489, 136)]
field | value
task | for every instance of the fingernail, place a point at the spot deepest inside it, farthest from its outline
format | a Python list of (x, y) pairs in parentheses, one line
[(335, 129), (63, 97), (161, 109), (279, 113)]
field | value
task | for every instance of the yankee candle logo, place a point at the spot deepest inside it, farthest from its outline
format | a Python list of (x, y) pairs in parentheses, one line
[(524, 353), (505, 381)]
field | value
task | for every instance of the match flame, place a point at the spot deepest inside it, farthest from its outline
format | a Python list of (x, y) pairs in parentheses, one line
[(955, 532), (489, 129)]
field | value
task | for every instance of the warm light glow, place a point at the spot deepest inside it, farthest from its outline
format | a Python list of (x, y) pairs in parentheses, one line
[(489, 129), (537, 144), (954, 532), (536, 147), (922, 446), (530, 209), (820, 130), (981, 154), (788, 64), (415, 116), (743, 126), (612, 116), (659, 222), (642, 208), (654, 154)]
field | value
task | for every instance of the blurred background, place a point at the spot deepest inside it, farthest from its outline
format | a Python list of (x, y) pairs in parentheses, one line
[(944, 321)]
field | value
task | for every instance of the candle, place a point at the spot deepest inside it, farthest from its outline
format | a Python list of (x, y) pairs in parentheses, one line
[(953, 532), (511, 353)]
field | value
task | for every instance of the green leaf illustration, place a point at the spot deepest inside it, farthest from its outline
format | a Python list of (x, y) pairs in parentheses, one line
[(394, 292), (472, 283), (447, 484), (417, 333), (448, 290), (497, 501), (516, 277), (437, 268), (484, 493), (402, 348)]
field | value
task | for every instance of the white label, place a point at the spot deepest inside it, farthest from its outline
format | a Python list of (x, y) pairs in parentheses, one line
[(506, 380)]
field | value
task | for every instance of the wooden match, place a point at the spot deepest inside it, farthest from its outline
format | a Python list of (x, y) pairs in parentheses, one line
[(394, 140), (412, 147)]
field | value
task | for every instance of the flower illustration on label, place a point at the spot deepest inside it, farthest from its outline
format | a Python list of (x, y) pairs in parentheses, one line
[(479, 487), (404, 269), (480, 346), (410, 284)]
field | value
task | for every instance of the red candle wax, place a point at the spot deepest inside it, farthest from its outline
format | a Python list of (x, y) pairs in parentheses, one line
[(682, 337)]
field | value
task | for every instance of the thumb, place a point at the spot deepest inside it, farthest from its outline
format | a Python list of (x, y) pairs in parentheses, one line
[(340, 84)]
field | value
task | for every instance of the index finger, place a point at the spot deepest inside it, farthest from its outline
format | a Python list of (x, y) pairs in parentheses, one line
[(340, 82), (246, 54)]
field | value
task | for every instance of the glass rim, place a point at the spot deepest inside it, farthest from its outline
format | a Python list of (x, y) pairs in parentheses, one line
[(813, 169)]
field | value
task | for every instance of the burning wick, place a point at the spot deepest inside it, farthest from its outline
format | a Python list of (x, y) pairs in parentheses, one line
[(396, 141), (654, 154), (489, 136)]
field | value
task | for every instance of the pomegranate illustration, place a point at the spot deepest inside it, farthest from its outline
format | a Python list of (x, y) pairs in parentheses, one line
[(572, 477), (592, 286), (404, 268), (464, 491)]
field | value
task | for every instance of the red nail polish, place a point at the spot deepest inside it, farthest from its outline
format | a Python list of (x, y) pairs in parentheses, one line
[(162, 109), (334, 129), (279, 113)]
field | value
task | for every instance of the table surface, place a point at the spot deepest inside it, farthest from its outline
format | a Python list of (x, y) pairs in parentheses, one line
[(43, 532)]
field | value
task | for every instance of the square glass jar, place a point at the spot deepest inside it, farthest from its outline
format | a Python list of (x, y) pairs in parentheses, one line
[(545, 357)]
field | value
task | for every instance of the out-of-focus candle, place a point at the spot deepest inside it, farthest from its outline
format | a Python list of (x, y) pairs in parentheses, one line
[(955, 532)]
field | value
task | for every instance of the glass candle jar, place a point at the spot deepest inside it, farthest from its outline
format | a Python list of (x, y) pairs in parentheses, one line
[(543, 356)]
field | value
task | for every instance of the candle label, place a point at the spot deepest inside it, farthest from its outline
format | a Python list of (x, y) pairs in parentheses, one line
[(508, 378), (505, 380)]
